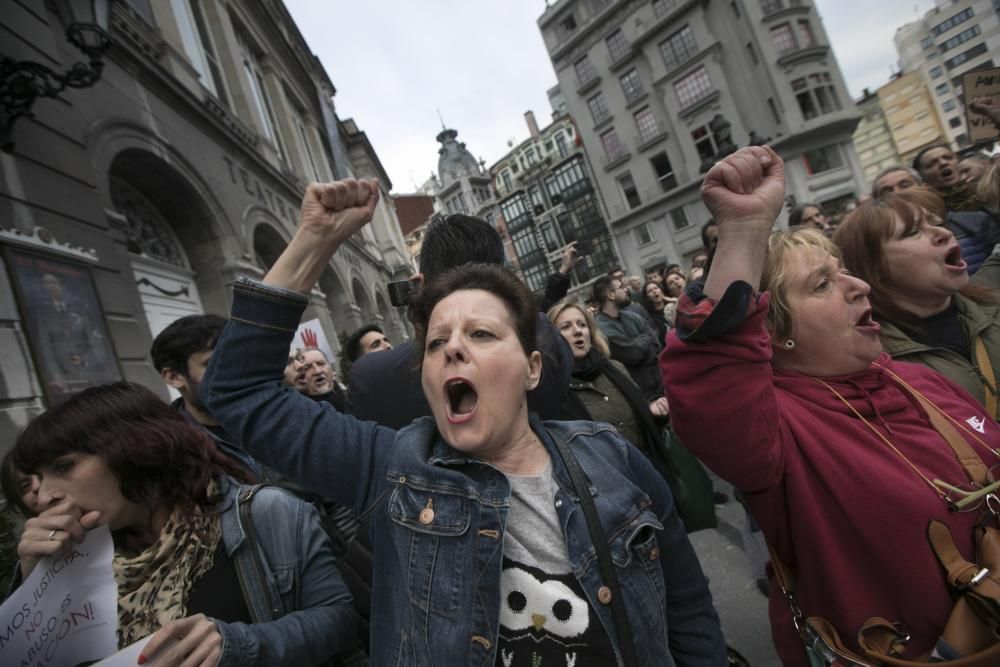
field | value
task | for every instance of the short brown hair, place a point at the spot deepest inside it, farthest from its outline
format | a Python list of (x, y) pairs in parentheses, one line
[(862, 239), (597, 338)]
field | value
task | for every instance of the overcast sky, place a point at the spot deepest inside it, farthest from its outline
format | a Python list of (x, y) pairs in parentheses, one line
[(482, 63)]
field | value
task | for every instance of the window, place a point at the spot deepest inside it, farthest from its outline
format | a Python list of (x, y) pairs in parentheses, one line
[(197, 44), (561, 144), (960, 38), (568, 24), (927, 42), (774, 109), (936, 72), (646, 124), (598, 108), (752, 52), (261, 104), (613, 147), (584, 70), (629, 192), (822, 159), (954, 122), (678, 48), (532, 156), (784, 40), (642, 235), (806, 37), (664, 172), (736, 8), (679, 219), (950, 23), (942, 89), (631, 85), (536, 198), (770, 6), (816, 95), (704, 143), (143, 9), (695, 86), (505, 175), (977, 50), (663, 7), (949, 105), (618, 47), (305, 146)]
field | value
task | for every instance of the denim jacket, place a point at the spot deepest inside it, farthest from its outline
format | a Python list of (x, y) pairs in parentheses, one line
[(437, 584), (302, 611)]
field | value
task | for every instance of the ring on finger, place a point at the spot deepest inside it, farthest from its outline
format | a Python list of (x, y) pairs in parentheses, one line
[(52, 535)]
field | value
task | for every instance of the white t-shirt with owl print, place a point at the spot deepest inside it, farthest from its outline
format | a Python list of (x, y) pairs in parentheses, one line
[(545, 620)]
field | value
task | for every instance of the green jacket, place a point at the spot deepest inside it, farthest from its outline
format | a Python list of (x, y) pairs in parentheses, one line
[(976, 319), (605, 403)]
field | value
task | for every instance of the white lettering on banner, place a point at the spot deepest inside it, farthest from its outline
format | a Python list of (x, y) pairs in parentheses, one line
[(66, 611)]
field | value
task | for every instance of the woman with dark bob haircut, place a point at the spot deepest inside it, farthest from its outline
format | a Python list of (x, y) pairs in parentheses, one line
[(482, 552), (202, 562), (921, 295)]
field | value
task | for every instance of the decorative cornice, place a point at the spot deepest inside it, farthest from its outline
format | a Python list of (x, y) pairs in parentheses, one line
[(787, 11), (248, 137), (42, 239), (804, 55)]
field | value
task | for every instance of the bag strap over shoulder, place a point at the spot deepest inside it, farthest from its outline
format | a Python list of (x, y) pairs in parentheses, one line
[(245, 500), (605, 565), (989, 379)]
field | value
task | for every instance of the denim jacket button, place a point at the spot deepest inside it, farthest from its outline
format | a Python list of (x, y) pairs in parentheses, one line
[(426, 515), (604, 595)]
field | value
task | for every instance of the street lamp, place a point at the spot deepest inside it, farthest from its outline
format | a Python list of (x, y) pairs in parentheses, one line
[(21, 82)]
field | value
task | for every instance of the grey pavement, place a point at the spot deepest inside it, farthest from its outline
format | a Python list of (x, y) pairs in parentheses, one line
[(741, 606)]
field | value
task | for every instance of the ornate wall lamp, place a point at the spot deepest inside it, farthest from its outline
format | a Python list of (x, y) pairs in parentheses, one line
[(21, 82)]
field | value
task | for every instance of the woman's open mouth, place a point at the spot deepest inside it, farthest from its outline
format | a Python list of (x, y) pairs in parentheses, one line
[(953, 260), (866, 323), (461, 400)]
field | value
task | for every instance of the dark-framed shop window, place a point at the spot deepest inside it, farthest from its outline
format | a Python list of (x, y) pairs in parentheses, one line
[(63, 323)]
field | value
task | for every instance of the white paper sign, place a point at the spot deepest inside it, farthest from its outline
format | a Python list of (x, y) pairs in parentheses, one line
[(127, 657), (66, 612), (310, 334)]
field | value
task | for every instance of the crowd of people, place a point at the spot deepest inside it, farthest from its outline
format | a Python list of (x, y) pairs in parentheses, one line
[(500, 490)]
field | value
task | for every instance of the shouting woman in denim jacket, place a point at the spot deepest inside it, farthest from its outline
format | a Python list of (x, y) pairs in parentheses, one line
[(482, 551), (220, 573)]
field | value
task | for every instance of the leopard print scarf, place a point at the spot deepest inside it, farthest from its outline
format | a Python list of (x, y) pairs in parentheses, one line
[(153, 586)]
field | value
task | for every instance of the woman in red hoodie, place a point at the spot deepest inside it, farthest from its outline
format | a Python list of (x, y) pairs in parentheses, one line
[(777, 381)]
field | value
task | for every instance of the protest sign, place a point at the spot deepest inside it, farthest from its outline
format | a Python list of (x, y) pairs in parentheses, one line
[(310, 334), (66, 611), (980, 83), (127, 657)]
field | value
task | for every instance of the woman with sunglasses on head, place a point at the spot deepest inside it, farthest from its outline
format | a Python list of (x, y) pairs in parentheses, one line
[(778, 382), (921, 294), (217, 571), (485, 551)]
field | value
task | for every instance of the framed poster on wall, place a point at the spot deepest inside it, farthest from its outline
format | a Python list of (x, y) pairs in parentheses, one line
[(63, 322)]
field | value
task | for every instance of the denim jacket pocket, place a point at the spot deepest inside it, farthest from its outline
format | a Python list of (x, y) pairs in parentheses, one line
[(635, 551), (430, 529)]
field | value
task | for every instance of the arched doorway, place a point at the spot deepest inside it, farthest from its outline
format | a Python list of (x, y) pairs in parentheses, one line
[(363, 301), (267, 246)]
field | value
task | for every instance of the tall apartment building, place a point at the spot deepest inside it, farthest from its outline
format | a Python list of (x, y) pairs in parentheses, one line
[(661, 89), (546, 199), (909, 113), (955, 37), (153, 190), (872, 138)]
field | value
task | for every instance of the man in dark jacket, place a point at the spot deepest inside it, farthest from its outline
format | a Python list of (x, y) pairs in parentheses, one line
[(632, 341), (385, 387)]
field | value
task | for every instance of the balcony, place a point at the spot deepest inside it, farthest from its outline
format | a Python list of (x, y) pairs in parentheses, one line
[(776, 9), (803, 54)]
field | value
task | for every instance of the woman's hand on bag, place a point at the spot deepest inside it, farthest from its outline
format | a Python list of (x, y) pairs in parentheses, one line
[(53, 533), (660, 407), (189, 642)]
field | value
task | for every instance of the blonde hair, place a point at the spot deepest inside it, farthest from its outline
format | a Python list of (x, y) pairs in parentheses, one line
[(781, 248), (597, 339), (989, 185)]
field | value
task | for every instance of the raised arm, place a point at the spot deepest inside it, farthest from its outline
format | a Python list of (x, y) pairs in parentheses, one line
[(716, 367), (744, 193)]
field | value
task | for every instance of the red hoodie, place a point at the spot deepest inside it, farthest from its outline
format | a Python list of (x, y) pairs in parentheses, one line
[(843, 511)]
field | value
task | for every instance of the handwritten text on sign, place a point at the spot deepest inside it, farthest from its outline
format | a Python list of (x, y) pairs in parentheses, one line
[(980, 83), (66, 611)]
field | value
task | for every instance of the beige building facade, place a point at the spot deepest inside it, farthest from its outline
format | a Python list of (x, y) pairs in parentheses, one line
[(909, 113), (872, 138)]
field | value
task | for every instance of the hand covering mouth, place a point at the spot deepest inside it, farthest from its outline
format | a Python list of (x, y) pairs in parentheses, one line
[(462, 397)]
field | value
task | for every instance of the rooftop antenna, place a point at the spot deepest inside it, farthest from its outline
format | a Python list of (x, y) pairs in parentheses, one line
[(443, 127)]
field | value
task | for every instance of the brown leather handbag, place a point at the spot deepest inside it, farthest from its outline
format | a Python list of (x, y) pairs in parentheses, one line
[(971, 636)]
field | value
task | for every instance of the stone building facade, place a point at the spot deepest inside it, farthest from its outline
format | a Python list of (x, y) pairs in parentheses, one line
[(661, 89), (873, 139), (180, 170)]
